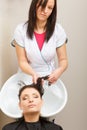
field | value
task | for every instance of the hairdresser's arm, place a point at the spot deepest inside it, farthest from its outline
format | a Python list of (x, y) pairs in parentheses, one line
[(62, 64), (23, 62)]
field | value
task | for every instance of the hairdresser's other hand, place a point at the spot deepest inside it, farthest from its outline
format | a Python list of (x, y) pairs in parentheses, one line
[(53, 77)]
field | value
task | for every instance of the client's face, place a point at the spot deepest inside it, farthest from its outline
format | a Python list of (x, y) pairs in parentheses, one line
[(30, 101)]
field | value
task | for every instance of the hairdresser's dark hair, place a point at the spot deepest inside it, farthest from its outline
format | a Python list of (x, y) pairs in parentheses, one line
[(32, 19), (37, 86)]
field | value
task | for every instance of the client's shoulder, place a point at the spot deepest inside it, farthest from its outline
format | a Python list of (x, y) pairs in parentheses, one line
[(51, 125), (11, 126)]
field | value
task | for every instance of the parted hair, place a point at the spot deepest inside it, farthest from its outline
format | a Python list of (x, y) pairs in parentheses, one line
[(50, 25), (38, 86)]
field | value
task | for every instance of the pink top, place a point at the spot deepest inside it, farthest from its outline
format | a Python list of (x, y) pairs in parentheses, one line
[(40, 39)]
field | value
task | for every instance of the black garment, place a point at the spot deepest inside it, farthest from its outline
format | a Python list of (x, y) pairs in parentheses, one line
[(33, 125), (40, 125)]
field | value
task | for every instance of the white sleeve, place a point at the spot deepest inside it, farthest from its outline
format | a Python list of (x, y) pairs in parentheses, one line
[(60, 35), (19, 35)]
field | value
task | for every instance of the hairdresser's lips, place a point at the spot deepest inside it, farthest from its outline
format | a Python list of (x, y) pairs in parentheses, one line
[(43, 15)]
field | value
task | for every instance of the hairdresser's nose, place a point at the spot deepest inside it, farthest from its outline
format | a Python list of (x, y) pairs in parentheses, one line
[(45, 10)]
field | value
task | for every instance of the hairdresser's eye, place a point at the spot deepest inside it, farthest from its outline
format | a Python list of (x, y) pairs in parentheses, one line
[(51, 8)]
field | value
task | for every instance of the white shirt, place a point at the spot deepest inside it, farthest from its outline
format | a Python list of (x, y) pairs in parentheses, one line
[(43, 62)]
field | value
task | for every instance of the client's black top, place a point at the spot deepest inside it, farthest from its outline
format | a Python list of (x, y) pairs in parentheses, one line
[(40, 125)]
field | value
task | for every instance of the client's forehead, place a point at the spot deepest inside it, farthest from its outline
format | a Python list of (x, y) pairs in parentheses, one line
[(30, 91)]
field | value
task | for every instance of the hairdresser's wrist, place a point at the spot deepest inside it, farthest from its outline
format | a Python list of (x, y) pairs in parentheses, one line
[(59, 71)]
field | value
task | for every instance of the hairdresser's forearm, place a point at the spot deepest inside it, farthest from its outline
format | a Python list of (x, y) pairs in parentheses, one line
[(25, 67), (62, 59), (55, 75), (63, 64)]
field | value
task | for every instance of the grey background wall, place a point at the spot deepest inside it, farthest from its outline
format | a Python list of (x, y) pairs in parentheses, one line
[(72, 15)]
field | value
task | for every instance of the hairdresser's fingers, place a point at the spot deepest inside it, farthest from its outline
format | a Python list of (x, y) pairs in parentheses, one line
[(51, 79), (42, 82), (35, 77)]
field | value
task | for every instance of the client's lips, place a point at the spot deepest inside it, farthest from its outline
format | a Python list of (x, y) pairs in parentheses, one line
[(31, 105)]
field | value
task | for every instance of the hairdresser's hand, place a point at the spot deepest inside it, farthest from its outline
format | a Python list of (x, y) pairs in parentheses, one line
[(35, 77), (53, 77)]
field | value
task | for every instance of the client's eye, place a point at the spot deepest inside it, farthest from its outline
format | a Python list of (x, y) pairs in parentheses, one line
[(25, 98), (35, 96)]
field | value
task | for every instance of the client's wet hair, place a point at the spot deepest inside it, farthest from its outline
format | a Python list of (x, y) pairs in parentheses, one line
[(38, 86)]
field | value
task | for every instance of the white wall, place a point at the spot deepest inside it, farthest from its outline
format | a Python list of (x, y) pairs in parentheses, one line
[(72, 15)]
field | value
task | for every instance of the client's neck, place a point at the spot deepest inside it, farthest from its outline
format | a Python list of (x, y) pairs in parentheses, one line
[(31, 117)]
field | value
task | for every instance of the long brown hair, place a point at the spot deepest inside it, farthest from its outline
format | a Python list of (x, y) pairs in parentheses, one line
[(32, 19)]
